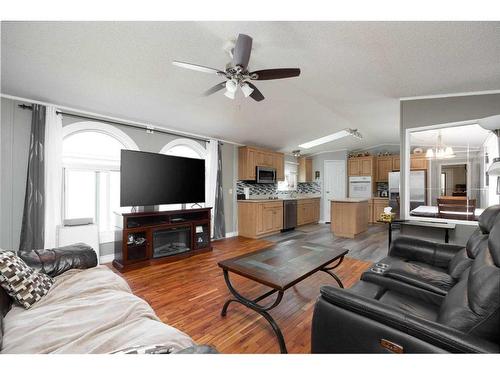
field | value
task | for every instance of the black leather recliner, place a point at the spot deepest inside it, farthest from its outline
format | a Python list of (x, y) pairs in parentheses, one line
[(429, 266), (414, 314)]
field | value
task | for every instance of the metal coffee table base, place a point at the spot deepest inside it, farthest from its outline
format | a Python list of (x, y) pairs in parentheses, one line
[(263, 310)]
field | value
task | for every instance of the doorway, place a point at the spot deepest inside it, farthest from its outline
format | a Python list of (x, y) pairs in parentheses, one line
[(334, 182)]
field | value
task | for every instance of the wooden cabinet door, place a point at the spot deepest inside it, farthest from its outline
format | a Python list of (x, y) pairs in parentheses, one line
[(309, 170), (301, 213), (269, 217), (278, 219), (396, 163), (305, 170), (265, 220), (279, 164), (370, 211), (384, 166), (251, 164), (353, 167), (316, 205), (366, 167), (418, 163)]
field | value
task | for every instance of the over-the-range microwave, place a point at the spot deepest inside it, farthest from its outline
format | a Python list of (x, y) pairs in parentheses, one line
[(265, 175)]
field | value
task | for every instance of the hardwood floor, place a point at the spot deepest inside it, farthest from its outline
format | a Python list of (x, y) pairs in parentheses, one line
[(189, 294)]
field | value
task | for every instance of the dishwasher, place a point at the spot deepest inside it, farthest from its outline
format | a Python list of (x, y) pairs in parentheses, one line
[(289, 214)]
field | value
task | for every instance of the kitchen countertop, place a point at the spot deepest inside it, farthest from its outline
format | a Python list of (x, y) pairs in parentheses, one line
[(276, 200), (350, 200)]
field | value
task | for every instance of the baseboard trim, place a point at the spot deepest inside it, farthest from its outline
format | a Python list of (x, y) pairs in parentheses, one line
[(106, 258), (231, 234)]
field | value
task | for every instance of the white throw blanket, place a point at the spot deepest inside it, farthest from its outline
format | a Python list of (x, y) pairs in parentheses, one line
[(87, 311)]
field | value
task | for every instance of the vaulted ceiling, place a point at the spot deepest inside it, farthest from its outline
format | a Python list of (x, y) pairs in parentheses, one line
[(353, 73)]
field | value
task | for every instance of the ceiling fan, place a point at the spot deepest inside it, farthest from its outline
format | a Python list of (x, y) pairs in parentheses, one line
[(236, 73)]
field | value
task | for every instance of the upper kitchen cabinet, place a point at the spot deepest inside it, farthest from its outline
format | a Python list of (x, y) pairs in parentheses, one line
[(305, 170), (361, 166), (250, 157), (384, 166), (418, 162), (396, 165)]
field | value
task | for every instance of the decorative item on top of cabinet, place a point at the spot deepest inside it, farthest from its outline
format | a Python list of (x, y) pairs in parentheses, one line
[(361, 166), (251, 157), (305, 170)]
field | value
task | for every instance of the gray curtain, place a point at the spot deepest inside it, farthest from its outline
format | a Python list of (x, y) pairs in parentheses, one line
[(32, 230), (219, 220)]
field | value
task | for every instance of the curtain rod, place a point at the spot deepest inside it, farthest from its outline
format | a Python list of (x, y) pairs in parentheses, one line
[(152, 128)]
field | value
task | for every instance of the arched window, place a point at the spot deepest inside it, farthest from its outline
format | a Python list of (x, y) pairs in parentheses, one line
[(187, 148), (91, 170)]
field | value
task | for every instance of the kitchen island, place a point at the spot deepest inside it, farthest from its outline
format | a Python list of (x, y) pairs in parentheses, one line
[(349, 216)]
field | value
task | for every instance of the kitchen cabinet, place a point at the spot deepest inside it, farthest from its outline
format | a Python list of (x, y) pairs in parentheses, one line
[(305, 170), (361, 166), (370, 211), (384, 166), (378, 207), (251, 157), (396, 163), (279, 164), (418, 162), (256, 219), (308, 211)]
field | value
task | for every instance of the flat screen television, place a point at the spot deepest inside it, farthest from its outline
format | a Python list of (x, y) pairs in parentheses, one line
[(148, 178)]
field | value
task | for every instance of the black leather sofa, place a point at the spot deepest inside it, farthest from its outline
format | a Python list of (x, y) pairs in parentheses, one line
[(432, 298)]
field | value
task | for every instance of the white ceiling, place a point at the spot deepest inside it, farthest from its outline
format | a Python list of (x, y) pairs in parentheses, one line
[(352, 73), (467, 136)]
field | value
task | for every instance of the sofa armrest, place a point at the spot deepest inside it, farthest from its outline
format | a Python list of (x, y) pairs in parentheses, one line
[(432, 253), (54, 262), (436, 335)]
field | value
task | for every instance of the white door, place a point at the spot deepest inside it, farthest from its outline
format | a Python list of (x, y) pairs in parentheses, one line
[(334, 182)]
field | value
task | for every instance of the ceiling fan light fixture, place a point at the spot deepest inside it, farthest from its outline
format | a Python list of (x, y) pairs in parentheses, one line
[(247, 90), (229, 94), (231, 86)]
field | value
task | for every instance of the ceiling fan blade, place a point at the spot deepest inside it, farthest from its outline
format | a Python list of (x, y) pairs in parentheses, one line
[(256, 94), (215, 88), (242, 50), (198, 68), (275, 73)]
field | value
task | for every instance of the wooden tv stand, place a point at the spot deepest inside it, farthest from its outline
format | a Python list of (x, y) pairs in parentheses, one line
[(137, 234)]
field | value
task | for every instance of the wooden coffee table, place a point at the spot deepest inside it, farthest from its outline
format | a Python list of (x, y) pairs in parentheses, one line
[(280, 267)]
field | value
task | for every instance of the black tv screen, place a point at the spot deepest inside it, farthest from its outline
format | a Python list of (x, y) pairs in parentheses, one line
[(149, 179)]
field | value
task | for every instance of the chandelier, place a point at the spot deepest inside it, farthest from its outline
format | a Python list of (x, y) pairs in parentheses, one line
[(441, 151)]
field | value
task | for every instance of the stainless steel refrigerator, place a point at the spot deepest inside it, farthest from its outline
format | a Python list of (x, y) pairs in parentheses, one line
[(417, 190)]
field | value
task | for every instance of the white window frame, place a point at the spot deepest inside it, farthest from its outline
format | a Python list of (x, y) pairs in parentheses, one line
[(86, 164), (406, 159), (195, 146)]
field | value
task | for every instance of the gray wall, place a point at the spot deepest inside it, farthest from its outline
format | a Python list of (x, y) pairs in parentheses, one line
[(14, 146), (318, 163), (425, 112), (14, 138)]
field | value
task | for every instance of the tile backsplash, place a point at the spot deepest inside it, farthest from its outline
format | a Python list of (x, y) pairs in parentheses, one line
[(272, 189)]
